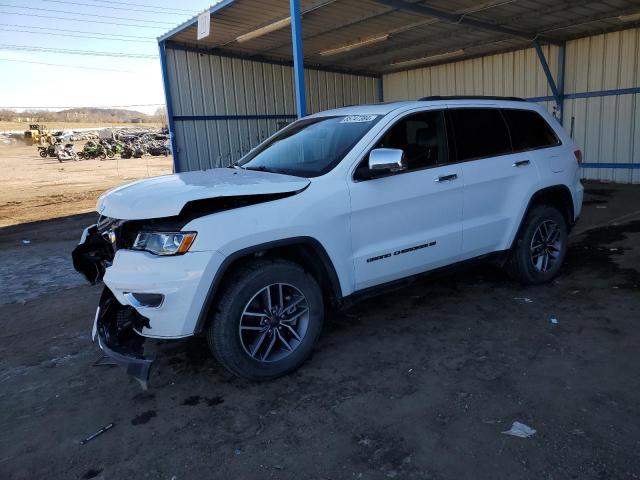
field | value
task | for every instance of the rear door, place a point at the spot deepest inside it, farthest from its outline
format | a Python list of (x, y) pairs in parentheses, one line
[(497, 181), (411, 221)]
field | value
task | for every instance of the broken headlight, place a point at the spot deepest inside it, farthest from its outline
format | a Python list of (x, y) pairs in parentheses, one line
[(164, 243)]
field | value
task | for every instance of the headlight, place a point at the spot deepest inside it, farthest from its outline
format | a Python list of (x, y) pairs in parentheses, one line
[(164, 243)]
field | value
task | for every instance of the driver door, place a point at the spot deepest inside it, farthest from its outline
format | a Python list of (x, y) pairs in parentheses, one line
[(410, 221)]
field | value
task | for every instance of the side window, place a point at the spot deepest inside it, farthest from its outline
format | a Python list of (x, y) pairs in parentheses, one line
[(422, 138), (529, 130), (480, 132)]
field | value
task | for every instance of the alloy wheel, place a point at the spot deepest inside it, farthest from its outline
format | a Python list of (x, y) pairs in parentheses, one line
[(274, 322), (546, 245)]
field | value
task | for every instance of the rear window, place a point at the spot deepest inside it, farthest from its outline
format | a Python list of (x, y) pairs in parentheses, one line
[(480, 132), (529, 130)]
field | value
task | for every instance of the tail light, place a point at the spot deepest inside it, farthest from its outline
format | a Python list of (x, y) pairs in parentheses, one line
[(578, 154)]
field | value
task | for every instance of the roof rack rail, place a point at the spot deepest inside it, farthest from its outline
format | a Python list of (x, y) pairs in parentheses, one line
[(470, 97)]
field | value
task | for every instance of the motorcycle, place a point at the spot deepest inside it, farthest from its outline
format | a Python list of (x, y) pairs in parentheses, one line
[(67, 153), (127, 151), (158, 149), (48, 151), (93, 150)]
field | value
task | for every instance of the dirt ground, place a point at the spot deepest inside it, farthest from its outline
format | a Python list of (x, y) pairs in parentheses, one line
[(35, 188), (416, 384)]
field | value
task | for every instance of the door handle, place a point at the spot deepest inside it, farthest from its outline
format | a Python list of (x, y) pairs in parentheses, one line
[(446, 178), (521, 163)]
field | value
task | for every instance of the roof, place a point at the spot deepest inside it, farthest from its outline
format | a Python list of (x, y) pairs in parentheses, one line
[(470, 101), (380, 36)]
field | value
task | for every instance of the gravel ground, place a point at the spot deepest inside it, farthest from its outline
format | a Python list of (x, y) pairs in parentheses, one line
[(418, 383)]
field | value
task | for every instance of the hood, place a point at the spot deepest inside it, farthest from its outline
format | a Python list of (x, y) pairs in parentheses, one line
[(165, 196)]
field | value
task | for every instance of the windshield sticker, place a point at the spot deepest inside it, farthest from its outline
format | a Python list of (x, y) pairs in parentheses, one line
[(358, 118)]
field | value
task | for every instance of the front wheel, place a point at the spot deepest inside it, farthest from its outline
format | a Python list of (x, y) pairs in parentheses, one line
[(266, 320), (43, 153), (540, 248), (102, 156)]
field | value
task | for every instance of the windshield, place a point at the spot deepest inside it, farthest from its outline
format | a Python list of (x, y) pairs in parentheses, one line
[(310, 147)]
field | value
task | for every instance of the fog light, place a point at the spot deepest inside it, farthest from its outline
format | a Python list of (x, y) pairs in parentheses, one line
[(144, 300)]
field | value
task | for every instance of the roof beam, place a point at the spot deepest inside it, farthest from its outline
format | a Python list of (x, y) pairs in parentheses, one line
[(371, 16), (456, 19)]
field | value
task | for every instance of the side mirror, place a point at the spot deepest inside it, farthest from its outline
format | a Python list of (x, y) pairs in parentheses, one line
[(387, 160)]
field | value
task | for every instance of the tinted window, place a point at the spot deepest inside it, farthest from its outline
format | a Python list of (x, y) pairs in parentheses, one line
[(480, 132), (422, 138), (529, 130)]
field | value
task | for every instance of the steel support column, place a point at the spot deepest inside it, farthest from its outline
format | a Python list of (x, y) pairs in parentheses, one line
[(167, 98), (557, 96), (298, 57), (561, 68)]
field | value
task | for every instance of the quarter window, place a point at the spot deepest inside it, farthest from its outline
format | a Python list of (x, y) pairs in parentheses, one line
[(529, 130), (480, 132)]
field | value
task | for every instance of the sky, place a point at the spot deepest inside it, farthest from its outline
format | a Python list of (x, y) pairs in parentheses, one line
[(55, 79)]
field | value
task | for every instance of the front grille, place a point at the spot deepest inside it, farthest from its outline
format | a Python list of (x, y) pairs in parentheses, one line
[(122, 231)]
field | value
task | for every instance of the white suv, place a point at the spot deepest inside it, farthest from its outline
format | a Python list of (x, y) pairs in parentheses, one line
[(334, 206)]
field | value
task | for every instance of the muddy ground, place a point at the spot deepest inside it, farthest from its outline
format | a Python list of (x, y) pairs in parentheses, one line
[(417, 384)]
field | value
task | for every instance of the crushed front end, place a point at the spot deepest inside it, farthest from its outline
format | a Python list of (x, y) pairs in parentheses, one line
[(116, 328)]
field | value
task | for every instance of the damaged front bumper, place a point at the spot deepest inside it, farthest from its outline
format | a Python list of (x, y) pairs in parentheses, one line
[(116, 329)]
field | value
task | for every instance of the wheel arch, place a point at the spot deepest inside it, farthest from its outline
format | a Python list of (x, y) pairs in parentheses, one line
[(305, 251), (558, 196)]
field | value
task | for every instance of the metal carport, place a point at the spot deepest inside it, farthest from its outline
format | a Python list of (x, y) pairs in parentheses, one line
[(269, 61)]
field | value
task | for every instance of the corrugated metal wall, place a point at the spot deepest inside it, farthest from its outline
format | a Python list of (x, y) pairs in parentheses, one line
[(249, 100), (607, 128), (508, 74)]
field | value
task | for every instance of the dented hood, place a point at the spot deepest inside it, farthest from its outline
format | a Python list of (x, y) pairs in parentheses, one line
[(165, 196)]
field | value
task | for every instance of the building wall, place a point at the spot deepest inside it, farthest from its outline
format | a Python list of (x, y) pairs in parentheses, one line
[(606, 122), (223, 107)]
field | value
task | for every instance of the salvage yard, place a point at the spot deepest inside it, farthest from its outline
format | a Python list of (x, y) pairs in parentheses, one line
[(417, 383), (35, 188)]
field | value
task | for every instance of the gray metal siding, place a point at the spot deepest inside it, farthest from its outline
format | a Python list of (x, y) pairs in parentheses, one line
[(606, 128), (206, 85)]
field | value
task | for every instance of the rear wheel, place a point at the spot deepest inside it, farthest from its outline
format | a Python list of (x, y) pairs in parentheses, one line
[(267, 320), (103, 156), (43, 153), (540, 248)]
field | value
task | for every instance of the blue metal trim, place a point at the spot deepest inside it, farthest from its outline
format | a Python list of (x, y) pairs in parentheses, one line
[(186, 118), (603, 93), (258, 58), (168, 104), (547, 73), (596, 93), (298, 57), (548, 98), (611, 165), (561, 71)]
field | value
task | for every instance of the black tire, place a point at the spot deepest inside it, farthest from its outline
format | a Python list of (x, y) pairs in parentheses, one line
[(110, 154), (223, 334), (521, 266), (103, 156), (44, 153)]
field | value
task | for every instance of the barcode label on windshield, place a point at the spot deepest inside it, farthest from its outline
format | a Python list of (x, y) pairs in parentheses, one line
[(358, 118)]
